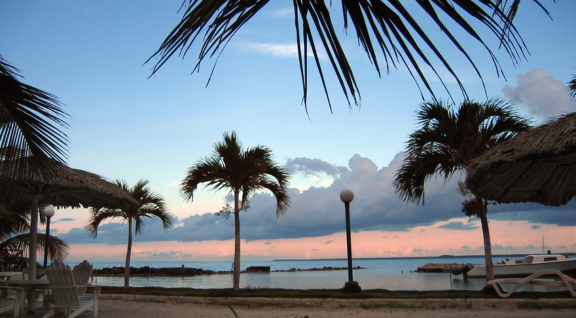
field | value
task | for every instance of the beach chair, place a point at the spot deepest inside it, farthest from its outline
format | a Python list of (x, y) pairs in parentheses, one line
[(82, 273), (566, 281), (65, 292), (12, 304)]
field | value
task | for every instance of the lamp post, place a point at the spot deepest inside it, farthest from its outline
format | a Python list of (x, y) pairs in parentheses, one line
[(48, 213), (347, 196)]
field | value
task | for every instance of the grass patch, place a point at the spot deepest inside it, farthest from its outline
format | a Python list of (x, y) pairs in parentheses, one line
[(321, 293)]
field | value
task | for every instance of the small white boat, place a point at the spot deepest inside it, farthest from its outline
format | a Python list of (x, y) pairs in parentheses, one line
[(528, 266)]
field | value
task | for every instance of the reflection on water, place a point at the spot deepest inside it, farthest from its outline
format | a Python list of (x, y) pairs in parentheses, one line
[(391, 274)]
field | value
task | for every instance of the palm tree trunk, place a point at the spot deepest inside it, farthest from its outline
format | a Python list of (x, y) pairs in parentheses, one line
[(487, 244), (128, 253), (236, 243)]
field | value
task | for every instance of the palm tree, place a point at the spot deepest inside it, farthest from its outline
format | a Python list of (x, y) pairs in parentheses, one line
[(15, 236), (446, 141), (393, 28), (572, 87), (243, 171), (150, 205), (27, 124)]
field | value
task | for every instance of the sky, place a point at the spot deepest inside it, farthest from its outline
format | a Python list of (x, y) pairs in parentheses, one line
[(126, 124)]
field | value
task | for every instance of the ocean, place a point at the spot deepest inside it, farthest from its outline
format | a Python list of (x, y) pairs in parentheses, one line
[(383, 273)]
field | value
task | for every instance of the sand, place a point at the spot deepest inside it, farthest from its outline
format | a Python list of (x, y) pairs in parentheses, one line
[(109, 308)]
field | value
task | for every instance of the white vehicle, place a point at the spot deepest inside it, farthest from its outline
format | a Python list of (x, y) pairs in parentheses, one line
[(528, 266)]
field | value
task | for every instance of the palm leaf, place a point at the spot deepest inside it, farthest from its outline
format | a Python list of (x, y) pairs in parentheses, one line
[(28, 124), (389, 25), (572, 87)]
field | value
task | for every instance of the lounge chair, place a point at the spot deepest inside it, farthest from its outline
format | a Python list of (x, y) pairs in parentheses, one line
[(566, 281), (12, 304), (65, 292)]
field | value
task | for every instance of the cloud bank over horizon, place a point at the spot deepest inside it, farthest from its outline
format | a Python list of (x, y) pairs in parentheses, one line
[(318, 211)]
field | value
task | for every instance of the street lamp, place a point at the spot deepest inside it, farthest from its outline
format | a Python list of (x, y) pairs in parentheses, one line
[(48, 213), (352, 286)]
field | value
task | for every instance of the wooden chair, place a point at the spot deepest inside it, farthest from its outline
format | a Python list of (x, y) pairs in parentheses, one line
[(566, 281), (12, 304), (82, 273), (65, 292)]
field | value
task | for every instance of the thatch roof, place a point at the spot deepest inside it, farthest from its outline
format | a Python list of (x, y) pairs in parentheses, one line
[(535, 166), (67, 188)]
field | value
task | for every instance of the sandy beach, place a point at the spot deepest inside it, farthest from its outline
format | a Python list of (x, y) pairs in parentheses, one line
[(109, 308)]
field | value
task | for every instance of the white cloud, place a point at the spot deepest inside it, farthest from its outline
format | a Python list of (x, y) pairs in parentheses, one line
[(288, 11), (541, 94), (318, 211), (283, 50)]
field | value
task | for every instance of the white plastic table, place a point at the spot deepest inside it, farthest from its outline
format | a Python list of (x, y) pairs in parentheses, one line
[(30, 288)]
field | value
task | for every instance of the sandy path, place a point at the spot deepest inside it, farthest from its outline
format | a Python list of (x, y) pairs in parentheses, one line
[(132, 309)]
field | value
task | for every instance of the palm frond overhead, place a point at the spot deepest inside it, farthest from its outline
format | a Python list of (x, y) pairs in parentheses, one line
[(29, 120), (388, 27)]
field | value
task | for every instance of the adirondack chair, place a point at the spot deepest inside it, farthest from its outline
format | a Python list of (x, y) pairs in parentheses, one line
[(12, 304), (82, 273), (566, 281), (65, 292)]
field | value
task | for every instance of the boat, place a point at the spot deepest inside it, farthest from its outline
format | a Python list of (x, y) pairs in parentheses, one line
[(525, 267)]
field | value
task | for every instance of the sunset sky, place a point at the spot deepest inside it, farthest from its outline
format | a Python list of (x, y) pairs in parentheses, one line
[(124, 125)]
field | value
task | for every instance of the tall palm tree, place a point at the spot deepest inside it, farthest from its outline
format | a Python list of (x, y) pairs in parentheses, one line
[(28, 119), (394, 28), (15, 236), (243, 172), (150, 205), (446, 140)]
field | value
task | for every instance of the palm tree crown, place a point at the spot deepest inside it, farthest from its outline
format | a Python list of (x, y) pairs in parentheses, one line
[(243, 172), (27, 118), (446, 141), (150, 205), (572, 87), (394, 28), (15, 236)]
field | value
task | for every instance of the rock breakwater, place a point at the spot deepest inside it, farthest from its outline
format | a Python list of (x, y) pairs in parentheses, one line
[(147, 271), (438, 268)]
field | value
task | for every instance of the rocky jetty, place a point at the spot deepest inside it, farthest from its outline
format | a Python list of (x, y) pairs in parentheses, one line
[(150, 271), (186, 271), (438, 268)]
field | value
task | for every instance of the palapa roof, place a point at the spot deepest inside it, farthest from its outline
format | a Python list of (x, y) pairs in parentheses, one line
[(536, 166), (66, 188)]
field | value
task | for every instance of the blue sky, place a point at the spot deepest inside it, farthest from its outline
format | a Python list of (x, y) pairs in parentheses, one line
[(125, 125)]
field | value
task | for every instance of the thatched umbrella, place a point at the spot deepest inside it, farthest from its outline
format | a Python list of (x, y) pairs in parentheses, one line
[(535, 166), (66, 188)]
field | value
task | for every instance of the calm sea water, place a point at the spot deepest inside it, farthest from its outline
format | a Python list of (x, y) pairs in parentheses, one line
[(391, 274)]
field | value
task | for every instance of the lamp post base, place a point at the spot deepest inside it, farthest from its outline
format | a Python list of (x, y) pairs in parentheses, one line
[(352, 287)]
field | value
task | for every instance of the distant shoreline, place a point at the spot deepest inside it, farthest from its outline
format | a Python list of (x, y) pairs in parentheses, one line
[(416, 257)]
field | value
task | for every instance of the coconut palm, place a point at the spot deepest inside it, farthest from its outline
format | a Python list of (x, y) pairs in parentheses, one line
[(446, 140), (28, 119), (14, 236), (390, 26), (243, 172), (150, 205), (572, 87)]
